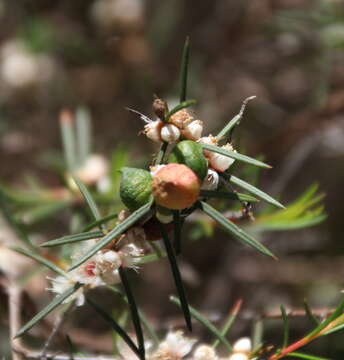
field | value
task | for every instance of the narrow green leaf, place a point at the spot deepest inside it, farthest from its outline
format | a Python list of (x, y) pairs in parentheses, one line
[(42, 212), (183, 105), (235, 155), (229, 322), (309, 313), (133, 311), (305, 356), (49, 308), (285, 327), (41, 260), (83, 130), (205, 322), (177, 226), (121, 332), (73, 238), (68, 140), (227, 195), (234, 230), (11, 220), (118, 230), (88, 199), (253, 190), (235, 121), (101, 221), (322, 325), (184, 70), (257, 335), (177, 277), (335, 329)]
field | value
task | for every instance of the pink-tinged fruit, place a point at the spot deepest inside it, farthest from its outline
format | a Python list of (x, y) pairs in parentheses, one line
[(175, 186)]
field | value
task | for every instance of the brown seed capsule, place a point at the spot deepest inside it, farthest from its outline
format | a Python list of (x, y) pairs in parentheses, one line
[(160, 108), (175, 186)]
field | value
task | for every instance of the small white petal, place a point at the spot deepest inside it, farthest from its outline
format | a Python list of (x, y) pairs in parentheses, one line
[(211, 181), (170, 133), (243, 345), (193, 131), (153, 129), (220, 162)]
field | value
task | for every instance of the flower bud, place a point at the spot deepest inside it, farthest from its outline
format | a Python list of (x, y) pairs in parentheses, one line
[(160, 108), (220, 162), (175, 186), (181, 118), (153, 129), (193, 131), (243, 345), (170, 133)]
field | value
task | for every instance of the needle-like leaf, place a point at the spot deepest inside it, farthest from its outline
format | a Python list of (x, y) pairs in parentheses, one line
[(305, 356), (101, 221), (49, 308), (73, 238), (253, 190), (183, 105), (235, 155), (227, 195), (309, 313), (83, 130), (229, 322), (205, 322), (234, 230), (68, 139), (285, 327), (42, 260), (177, 226), (177, 277), (89, 199), (235, 121), (133, 311), (184, 70), (121, 332), (118, 230)]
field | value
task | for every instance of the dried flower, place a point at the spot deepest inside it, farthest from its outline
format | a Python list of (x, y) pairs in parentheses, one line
[(175, 186), (181, 118)]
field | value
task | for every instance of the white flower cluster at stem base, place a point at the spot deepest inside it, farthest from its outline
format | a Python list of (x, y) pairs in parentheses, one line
[(102, 268), (176, 346)]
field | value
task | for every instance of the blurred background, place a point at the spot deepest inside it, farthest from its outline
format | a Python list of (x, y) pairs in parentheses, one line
[(110, 54)]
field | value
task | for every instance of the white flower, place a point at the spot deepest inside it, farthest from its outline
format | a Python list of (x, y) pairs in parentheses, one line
[(61, 284), (205, 352), (211, 181), (174, 347), (94, 170), (170, 133), (220, 162), (243, 345), (153, 130), (193, 131)]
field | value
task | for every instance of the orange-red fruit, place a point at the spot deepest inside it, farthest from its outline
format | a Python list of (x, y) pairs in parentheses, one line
[(175, 186)]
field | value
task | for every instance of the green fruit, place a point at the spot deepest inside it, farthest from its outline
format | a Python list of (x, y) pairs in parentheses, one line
[(135, 187), (190, 153)]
